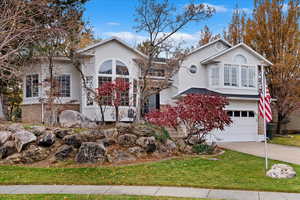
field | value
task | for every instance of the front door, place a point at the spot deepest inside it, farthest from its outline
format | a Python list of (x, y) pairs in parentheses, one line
[(152, 103)]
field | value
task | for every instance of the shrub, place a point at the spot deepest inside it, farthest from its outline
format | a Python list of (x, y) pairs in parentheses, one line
[(162, 135), (204, 148)]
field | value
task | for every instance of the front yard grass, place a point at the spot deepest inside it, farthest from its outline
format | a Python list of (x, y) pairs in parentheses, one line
[(233, 170), (292, 140), (85, 197)]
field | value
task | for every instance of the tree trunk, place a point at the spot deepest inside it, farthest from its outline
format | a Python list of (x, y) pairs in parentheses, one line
[(2, 107), (279, 123), (117, 113)]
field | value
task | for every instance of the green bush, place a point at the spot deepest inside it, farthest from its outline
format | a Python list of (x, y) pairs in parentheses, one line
[(162, 135), (203, 149)]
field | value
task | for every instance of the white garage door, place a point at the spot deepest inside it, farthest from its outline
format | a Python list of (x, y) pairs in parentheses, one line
[(243, 128)]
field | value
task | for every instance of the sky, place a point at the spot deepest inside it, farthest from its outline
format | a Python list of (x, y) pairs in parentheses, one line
[(116, 18)]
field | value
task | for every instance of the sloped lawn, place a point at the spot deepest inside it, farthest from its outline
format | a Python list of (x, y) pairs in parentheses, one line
[(233, 170), (293, 140)]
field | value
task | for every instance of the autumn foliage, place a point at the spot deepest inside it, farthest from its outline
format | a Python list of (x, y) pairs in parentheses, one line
[(198, 113), (112, 92)]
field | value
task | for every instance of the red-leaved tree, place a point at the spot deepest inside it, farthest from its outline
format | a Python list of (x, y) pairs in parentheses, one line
[(112, 94), (198, 114)]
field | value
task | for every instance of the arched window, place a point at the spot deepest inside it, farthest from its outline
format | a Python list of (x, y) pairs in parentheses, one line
[(121, 68), (106, 67), (112, 70), (240, 59)]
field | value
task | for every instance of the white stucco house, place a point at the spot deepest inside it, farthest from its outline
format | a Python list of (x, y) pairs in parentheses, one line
[(217, 67)]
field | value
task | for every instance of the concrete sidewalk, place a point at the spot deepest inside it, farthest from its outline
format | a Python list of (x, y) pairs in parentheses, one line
[(148, 191), (284, 153)]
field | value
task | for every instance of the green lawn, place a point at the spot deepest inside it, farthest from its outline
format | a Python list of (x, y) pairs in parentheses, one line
[(85, 197), (233, 171), (294, 140)]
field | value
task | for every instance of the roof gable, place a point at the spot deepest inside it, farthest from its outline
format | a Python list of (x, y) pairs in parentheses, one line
[(243, 45), (209, 44), (123, 43)]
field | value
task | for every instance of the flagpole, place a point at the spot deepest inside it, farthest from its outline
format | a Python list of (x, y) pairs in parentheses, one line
[(264, 113)]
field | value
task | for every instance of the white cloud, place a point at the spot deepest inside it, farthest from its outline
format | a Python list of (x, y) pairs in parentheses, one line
[(127, 36), (218, 8), (113, 23), (285, 7), (132, 38)]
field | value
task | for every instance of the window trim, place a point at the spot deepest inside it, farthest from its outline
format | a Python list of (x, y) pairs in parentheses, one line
[(255, 76), (211, 74), (238, 76)]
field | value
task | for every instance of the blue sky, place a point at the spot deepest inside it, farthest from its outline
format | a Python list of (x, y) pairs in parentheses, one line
[(116, 18)]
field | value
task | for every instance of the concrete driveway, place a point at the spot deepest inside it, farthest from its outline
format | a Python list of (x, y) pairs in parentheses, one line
[(276, 152)]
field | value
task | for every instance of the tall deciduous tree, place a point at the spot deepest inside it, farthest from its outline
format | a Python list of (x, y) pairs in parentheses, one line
[(236, 30), (207, 36), (160, 20), (274, 32)]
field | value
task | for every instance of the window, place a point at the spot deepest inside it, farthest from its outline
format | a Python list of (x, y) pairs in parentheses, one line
[(240, 59), (244, 113), (156, 72), (215, 76), (193, 69), (106, 67), (125, 95), (106, 100), (237, 113), (247, 76), (121, 68), (231, 75), (63, 85), (32, 85), (251, 114), (89, 94), (230, 113)]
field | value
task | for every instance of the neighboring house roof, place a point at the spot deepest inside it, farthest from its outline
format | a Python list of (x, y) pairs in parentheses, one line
[(210, 43), (109, 40), (210, 59), (210, 92)]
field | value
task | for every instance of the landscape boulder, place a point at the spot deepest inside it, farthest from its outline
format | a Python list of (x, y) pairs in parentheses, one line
[(147, 143), (34, 153), (123, 128), (74, 119), (14, 127), (63, 152), (61, 133), (170, 145), (75, 140), (281, 171), (4, 136), (47, 139), (107, 141), (143, 130), (22, 138), (7, 149), (91, 152), (38, 130), (127, 139), (194, 139)]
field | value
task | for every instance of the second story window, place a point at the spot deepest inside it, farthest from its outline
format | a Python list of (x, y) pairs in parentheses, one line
[(231, 75), (248, 76), (214, 76), (157, 72), (63, 85), (32, 85)]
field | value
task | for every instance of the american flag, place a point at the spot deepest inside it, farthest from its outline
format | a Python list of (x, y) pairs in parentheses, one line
[(265, 104)]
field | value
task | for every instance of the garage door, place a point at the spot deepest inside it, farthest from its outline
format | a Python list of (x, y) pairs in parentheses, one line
[(243, 128)]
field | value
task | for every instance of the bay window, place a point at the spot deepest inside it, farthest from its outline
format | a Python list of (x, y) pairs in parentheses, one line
[(231, 75)]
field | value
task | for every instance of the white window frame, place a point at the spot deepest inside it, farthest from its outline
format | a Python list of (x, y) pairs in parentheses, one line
[(71, 93), (248, 67), (231, 66), (114, 76), (211, 78), (25, 86)]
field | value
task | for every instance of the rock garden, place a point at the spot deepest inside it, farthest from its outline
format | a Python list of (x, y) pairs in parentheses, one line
[(123, 143)]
